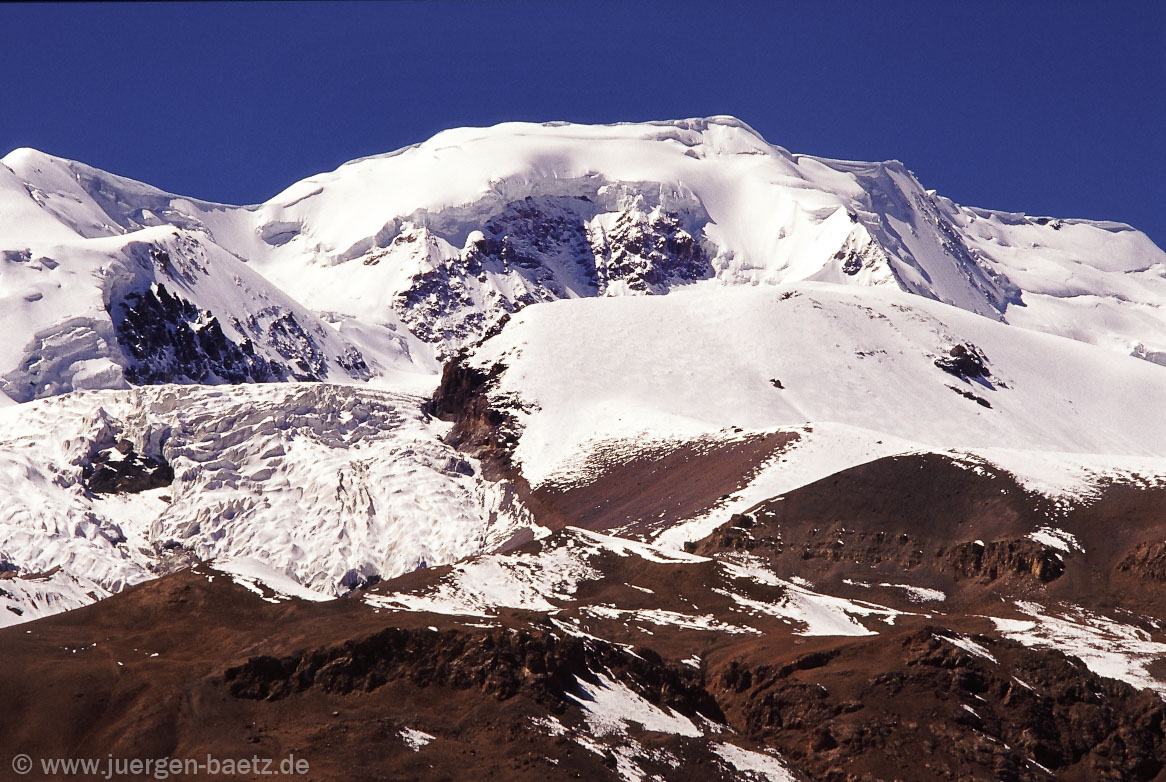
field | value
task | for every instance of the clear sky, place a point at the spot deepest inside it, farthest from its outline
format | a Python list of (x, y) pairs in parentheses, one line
[(1052, 108)]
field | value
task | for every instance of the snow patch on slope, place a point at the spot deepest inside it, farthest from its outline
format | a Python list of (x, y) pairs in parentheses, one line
[(1108, 647), (754, 765), (254, 574), (35, 597), (531, 581), (814, 612), (610, 706)]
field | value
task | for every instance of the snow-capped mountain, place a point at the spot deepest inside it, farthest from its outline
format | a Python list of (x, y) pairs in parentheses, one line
[(803, 292), (624, 412), (415, 254), (607, 202)]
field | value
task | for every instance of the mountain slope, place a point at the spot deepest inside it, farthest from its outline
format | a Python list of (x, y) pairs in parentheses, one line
[(157, 305), (581, 655), (728, 398), (101, 291)]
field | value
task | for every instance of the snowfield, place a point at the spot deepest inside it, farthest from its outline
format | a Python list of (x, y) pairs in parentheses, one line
[(860, 359)]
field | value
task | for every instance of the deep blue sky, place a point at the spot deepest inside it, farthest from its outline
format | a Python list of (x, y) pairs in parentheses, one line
[(1045, 107)]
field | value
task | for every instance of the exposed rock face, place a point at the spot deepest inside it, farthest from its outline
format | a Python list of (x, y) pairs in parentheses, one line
[(1146, 561), (168, 306), (481, 426), (499, 663), (294, 344), (859, 253), (987, 562), (121, 470), (855, 713), (964, 361), (981, 401), (997, 558), (538, 249), (647, 253), (170, 340)]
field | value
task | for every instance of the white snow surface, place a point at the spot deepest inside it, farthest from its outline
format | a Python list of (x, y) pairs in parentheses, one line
[(813, 612), (754, 765), (29, 598), (251, 572), (968, 645), (479, 587), (662, 618), (816, 613), (535, 581), (415, 739), (610, 706), (1056, 538)]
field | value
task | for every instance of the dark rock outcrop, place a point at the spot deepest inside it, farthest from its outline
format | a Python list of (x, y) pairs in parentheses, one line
[(545, 248), (995, 559), (922, 707), (500, 663), (981, 401), (154, 327), (964, 361), (481, 425), (121, 470), (1146, 561)]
